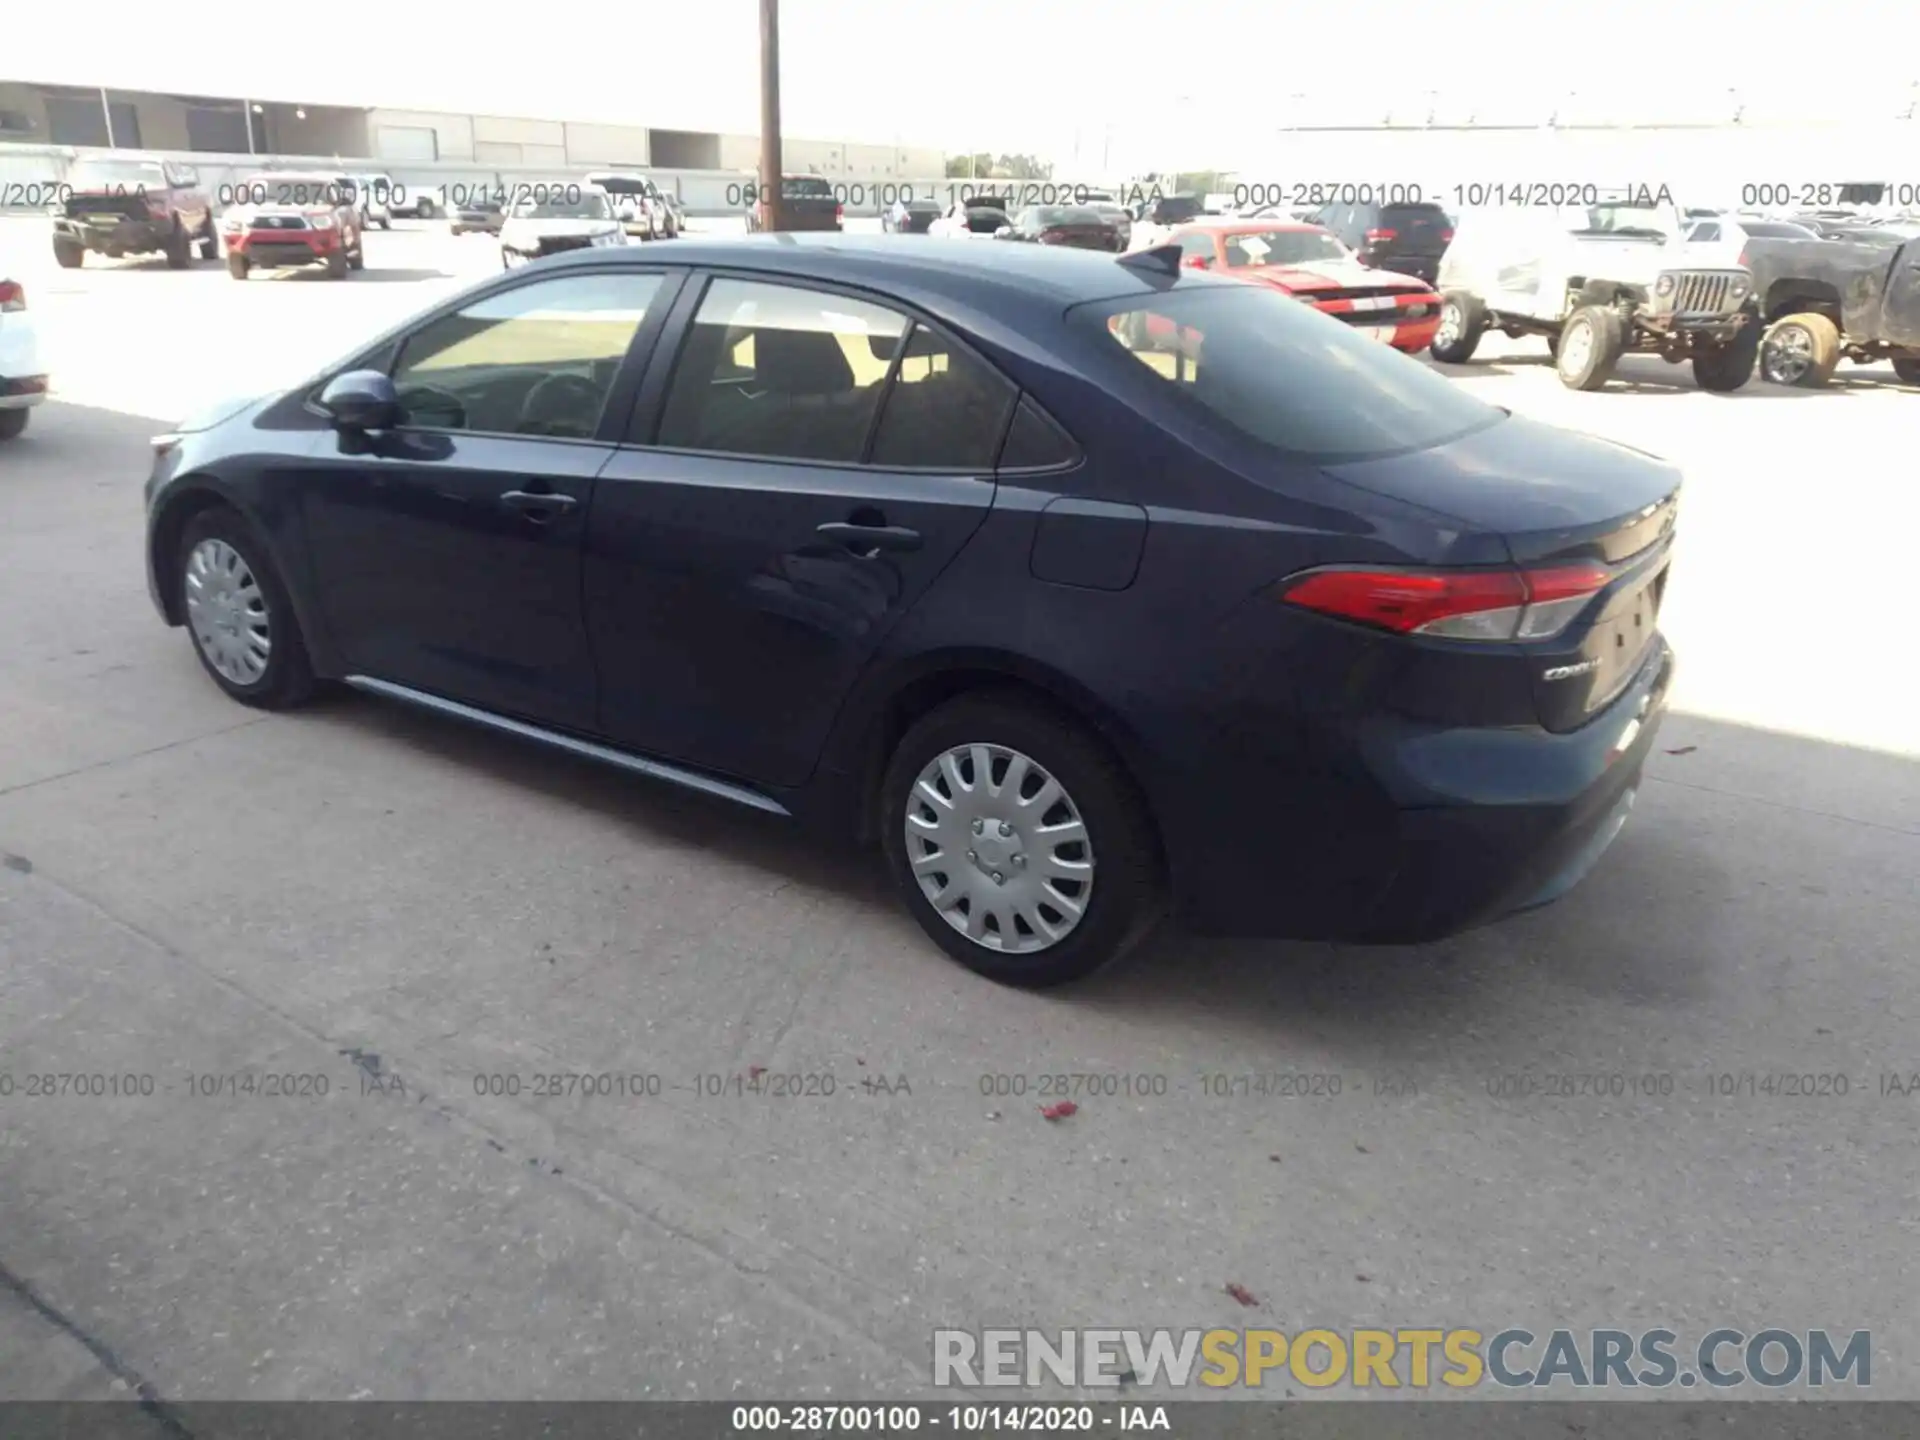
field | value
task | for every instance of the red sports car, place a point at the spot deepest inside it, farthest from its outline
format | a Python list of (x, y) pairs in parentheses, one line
[(1310, 264)]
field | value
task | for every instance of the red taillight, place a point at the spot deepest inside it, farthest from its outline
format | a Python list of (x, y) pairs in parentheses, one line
[(1446, 237), (1743, 257), (1374, 237), (1052, 236), (839, 212), (13, 295), (1454, 604)]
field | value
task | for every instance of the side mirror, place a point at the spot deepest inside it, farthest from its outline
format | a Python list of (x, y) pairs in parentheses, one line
[(361, 400), (1195, 262)]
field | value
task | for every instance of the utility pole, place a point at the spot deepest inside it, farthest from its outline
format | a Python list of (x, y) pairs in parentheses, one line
[(771, 194)]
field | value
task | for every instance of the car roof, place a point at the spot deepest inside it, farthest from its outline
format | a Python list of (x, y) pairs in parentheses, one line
[(997, 279)]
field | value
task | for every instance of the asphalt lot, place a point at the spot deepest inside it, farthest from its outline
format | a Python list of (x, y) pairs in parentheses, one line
[(191, 889)]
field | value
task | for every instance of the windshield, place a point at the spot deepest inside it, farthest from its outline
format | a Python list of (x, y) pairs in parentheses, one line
[(1283, 375), (587, 205), (620, 184), (1281, 247), (103, 174)]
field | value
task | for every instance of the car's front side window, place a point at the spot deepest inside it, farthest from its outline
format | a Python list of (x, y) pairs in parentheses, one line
[(780, 372), (538, 359)]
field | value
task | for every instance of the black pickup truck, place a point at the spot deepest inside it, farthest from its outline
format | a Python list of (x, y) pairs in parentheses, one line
[(806, 203), (1828, 300)]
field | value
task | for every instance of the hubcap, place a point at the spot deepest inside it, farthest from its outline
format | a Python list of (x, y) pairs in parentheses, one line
[(1449, 330), (227, 612), (1789, 355), (999, 848), (1576, 346)]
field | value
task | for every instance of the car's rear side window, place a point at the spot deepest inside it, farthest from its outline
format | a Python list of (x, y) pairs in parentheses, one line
[(1284, 375), (946, 409)]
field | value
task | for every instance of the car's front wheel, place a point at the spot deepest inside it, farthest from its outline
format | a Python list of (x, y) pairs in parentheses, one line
[(1908, 369), (238, 614), (13, 423), (1018, 841), (1801, 350), (69, 256), (179, 248), (237, 265), (1591, 344)]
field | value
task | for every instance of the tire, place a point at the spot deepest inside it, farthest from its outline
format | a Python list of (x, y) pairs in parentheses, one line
[(286, 679), (13, 423), (425, 210), (386, 222), (337, 265), (1730, 367), (1908, 369), (1463, 320), (1588, 363), (210, 242), (357, 257), (1124, 887), (237, 266), (1801, 351), (69, 257), (179, 249)]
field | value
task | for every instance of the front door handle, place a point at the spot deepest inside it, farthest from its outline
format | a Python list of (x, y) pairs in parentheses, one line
[(538, 505), (869, 538)]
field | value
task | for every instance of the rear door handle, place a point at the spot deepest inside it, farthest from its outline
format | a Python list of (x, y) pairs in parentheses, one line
[(870, 537), (538, 505)]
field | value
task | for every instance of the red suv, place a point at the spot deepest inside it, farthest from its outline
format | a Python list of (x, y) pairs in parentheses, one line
[(281, 220)]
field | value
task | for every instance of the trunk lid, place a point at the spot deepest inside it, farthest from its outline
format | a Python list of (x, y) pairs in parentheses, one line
[(1555, 497), (112, 205)]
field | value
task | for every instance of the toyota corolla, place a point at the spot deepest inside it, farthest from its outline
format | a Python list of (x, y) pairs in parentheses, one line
[(1080, 584)]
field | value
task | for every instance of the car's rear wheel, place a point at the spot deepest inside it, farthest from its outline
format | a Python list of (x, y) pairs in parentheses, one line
[(357, 257), (68, 256), (1018, 841), (1908, 369), (13, 423), (1591, 344), (179, 249), (1801, 350), (238, 614), (209, 241), (337, 265), (1463, 320), (237, 265)]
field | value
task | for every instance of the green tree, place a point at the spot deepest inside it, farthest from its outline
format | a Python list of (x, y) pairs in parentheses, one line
[(961, 167)]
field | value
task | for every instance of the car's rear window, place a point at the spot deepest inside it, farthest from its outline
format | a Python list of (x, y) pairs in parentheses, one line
[(1411, 215), (1284, 375), (1177, 209), (791, 189)]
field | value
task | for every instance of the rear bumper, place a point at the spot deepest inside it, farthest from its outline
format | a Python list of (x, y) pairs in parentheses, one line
[(111, 235), (1403, 833), (23, 375)]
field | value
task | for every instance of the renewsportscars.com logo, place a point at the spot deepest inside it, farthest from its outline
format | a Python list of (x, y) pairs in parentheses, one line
[(1415, 1359)]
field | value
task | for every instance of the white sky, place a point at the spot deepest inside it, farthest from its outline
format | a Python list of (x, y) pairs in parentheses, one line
[(1001, 75)]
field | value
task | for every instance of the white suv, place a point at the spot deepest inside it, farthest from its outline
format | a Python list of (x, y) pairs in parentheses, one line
[(1598, 282), (23, 376)]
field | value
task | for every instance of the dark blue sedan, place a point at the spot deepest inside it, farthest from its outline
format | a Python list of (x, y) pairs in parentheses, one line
[(1080, 584)]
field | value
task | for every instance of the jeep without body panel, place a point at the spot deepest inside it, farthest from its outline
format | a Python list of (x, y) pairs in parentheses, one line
[(119, 207), (1597, 282), (1823, 301)]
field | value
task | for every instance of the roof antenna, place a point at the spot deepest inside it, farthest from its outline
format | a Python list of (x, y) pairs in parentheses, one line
[(1161, 260)]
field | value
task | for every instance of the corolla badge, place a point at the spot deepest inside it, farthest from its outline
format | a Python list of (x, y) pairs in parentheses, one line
[(1567, 672)]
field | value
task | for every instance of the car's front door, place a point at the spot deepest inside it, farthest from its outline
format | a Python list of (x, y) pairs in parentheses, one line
[(1901, 322), (804, 469), (448, 550)]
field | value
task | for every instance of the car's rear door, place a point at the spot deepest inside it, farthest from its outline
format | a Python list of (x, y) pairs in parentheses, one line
[(797, 475), (1900, 322), (447, 551)]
